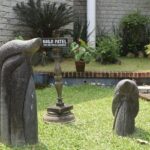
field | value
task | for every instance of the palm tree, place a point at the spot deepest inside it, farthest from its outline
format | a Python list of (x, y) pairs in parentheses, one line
[(44, 18)]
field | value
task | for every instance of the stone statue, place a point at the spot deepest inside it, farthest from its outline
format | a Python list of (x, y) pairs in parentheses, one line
[(125, 107), (18, 114)]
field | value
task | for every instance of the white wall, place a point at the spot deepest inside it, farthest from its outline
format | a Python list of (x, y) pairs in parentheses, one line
[(110, 12)]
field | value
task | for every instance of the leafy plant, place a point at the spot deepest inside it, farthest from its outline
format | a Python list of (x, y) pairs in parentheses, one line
[(81, 51), (44, 18), (80, 30), (108, 50), (134, 32), (19, 37), (147, 49)]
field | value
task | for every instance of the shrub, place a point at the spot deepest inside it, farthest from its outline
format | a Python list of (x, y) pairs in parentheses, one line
[(134, 32), (107, 50), (44, 18)]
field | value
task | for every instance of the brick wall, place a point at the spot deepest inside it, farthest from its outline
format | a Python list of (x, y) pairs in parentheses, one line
[(8, 21), (109, 12), (80, 9), (102, 74), (9, 24)]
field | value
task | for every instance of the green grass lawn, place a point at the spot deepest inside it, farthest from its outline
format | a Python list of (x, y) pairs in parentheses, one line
[(127, 64), (92, 129)]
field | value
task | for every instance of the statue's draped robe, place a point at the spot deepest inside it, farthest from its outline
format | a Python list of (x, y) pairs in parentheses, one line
[(125, 107), (18, 114)]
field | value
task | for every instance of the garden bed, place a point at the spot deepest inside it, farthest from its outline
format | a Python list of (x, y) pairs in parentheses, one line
[(135, 68), (127, 65)]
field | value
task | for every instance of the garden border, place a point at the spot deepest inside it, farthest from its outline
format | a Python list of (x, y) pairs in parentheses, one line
[(106, 78), (102, 74)]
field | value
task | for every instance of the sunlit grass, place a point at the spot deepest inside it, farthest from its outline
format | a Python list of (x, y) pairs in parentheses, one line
[(127, 64), (92, 129)]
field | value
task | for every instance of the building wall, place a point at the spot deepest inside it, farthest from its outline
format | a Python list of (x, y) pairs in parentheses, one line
[(9, 24), (109, 12), (8, 21), (80, 9)]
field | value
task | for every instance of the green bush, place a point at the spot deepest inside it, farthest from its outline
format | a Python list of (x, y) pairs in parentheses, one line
[(134, 32), (107, 50), (44, 18)]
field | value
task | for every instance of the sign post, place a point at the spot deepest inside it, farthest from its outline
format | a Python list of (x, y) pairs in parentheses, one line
[(55, 42), (60, 112)]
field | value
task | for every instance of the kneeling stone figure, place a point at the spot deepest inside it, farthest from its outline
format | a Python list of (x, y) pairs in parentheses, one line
[(18, 113), (125, 107)]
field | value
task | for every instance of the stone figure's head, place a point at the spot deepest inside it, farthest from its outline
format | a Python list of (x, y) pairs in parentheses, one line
[(126, 86), (29, 47), (25, 47)]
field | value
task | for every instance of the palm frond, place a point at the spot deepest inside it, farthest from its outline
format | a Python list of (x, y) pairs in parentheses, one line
[(44, 18)]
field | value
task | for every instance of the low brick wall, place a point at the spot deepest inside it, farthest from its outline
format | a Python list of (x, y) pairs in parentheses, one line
[(106, 74), (93, 78)]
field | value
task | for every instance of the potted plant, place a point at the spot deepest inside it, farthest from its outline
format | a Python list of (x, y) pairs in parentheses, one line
[(82, 54)]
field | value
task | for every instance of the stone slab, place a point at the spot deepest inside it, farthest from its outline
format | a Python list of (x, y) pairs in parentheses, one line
[(144, 89), (145, 96)]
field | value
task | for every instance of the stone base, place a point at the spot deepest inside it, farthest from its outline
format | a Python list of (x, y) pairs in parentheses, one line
[(145, 96), (59, 114), (144, 89)]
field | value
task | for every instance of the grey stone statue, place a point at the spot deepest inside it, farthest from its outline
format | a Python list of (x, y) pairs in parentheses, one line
[(125, 107), (18, 113)]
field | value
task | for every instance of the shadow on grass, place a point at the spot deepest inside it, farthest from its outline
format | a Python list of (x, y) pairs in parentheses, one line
[(39, 146), (141, 134), (73, 95)]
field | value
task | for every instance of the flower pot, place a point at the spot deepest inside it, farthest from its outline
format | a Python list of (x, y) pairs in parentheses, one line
[(80, 66)]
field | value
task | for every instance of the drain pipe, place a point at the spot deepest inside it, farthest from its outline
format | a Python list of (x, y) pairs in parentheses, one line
[(91, 22)]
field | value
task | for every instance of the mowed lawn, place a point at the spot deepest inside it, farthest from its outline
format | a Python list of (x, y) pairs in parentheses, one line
[(127, 64), (92, 129)]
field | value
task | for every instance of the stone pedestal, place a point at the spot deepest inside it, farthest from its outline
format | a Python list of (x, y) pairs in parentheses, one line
[(60, 112)]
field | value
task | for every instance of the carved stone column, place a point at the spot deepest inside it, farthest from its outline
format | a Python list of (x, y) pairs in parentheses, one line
[(60, 112)]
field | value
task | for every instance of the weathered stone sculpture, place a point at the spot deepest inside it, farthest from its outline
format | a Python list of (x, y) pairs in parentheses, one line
[(18, 114), (125, 107)]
